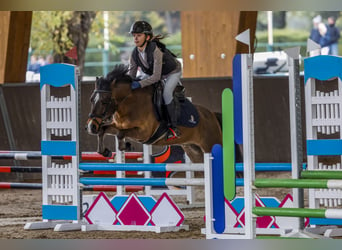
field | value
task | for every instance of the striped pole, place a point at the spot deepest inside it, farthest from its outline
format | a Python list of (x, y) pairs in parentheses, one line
[(298, 212), (29, 169), (268, 166), (321, 174), (24, 169), (10, 185), (112, 188), (297, 183), (158, 167), (32, 155), (142, 181), (19, 185), (112, 167)]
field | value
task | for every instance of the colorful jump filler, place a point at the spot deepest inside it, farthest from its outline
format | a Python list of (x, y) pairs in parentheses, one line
[(245, 217)]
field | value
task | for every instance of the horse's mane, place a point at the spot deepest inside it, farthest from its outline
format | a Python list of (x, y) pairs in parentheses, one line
[(119, 73)]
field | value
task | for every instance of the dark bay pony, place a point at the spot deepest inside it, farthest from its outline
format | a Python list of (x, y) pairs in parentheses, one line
[(126, 113)]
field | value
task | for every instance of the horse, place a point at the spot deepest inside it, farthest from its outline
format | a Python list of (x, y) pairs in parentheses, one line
[(118, 110)]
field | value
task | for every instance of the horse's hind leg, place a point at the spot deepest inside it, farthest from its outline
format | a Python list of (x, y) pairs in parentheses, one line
[(194, 152)]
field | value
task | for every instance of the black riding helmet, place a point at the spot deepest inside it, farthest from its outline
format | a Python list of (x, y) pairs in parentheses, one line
[(141, 27)]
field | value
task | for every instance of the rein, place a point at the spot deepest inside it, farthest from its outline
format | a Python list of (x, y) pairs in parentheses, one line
[(112, 105)]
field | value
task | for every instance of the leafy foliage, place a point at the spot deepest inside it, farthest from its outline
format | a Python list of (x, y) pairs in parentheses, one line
[(49, 32)]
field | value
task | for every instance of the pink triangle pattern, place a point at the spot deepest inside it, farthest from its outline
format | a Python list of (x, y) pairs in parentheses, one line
[(133, 212), (101, 210), (165, 207), (263, 221)]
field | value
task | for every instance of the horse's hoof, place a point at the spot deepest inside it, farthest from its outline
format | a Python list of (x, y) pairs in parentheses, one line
[(106, 153), (124, 146), (128, 146)]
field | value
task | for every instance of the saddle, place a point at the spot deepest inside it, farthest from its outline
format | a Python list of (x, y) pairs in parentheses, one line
[(187, 114)]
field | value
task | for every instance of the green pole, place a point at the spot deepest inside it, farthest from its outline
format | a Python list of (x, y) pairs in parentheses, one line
[(290, 183), (321, 174), (289, 212), (228, 144)]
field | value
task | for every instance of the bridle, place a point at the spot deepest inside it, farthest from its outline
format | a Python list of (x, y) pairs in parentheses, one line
[(110, 107)]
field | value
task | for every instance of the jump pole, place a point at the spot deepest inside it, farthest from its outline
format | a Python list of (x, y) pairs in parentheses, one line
[(21, 185), (37, 155), (142, 181), (298, 212), (159, 167), (297, 183)]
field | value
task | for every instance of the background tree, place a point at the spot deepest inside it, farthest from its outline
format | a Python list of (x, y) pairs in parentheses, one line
[(56, 32), (79, 26)]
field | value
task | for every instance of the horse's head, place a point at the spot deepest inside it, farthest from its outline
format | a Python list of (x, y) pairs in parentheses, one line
[(105, 97), (102, 106)]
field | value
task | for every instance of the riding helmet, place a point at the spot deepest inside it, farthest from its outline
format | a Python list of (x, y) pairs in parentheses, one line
[(141, 27)]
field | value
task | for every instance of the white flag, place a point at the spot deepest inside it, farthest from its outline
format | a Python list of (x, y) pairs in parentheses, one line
[(311, 45), (244, 37), (293, 52)]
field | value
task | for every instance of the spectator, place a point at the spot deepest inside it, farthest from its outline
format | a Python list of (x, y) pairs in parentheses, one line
[(49, 59), (324, 41), (34, 65), (41, 61), (333, 35), (314, 34)]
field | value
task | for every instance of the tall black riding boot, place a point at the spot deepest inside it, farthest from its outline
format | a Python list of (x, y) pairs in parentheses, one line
[(173, 132)]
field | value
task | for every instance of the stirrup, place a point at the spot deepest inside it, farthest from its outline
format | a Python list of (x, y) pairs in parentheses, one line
[(173, 133)]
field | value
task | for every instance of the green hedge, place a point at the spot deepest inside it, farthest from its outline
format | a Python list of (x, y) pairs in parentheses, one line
[(284, 35), (282, 38), (286, 38)]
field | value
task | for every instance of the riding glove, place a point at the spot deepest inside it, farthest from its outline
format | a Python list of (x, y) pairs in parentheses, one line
[(135, 85)]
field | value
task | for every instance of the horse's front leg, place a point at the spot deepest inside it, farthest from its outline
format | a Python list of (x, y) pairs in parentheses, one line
[(126, 133), (101, 149)]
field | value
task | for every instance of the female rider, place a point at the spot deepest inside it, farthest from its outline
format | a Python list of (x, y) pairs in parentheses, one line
[(157, 64)]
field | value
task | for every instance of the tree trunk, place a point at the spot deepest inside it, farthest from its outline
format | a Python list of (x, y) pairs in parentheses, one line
[(78, 31)]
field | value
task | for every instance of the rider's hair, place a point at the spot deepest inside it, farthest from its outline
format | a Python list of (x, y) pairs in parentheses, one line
[(158, 37)]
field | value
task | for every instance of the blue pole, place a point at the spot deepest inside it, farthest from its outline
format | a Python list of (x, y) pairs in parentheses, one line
[(160, 167)]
